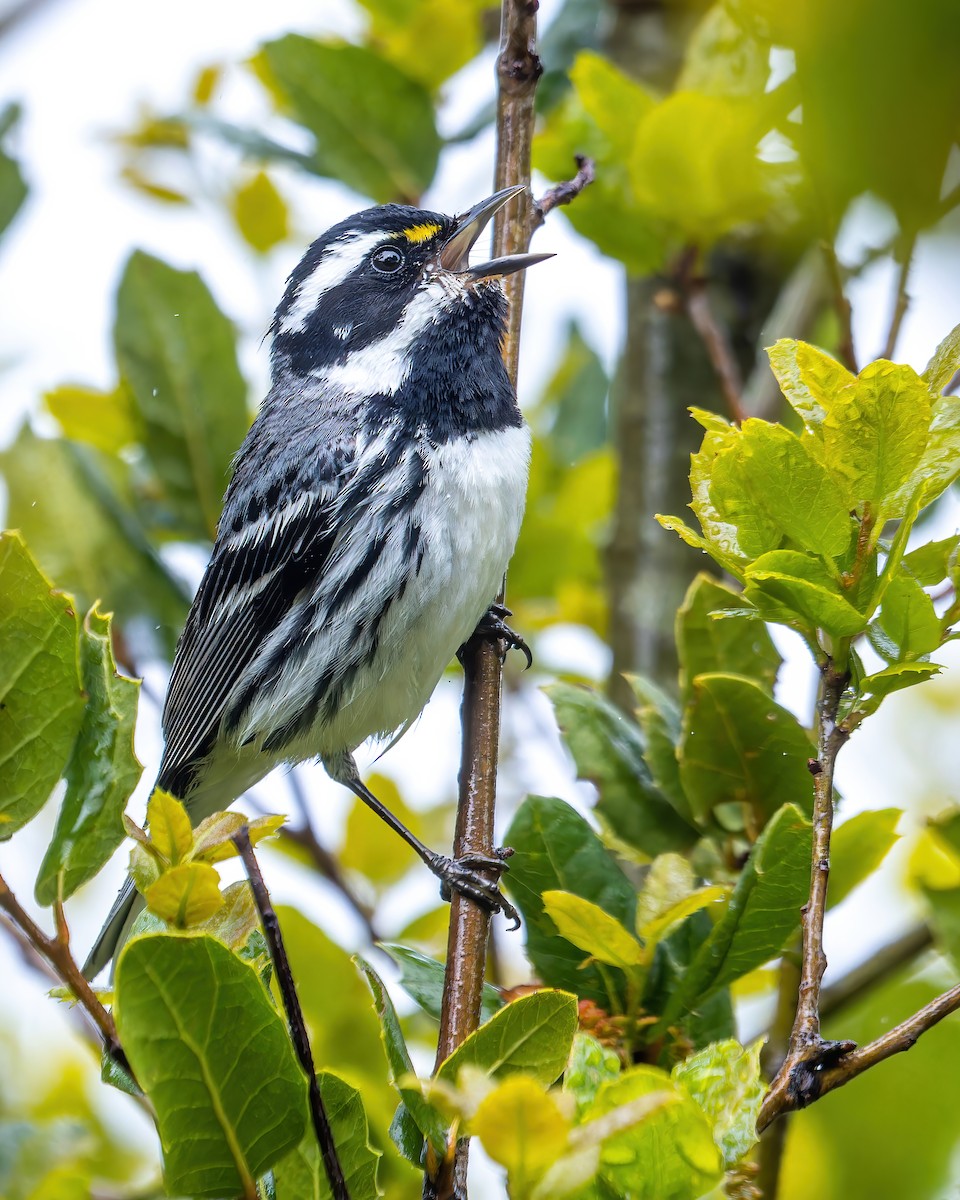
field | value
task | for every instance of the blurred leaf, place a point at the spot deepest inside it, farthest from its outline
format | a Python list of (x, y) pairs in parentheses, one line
[(908, 618), (427, 1119), (591, 1064), (763, 913), (858, 847), (769, 485), (740, 747), (373, 123), (177, 354), (212, 1053), (524, 1128), (237, 920), (422, 979), (599, 118), (669, 1153), (576, 396), (41, 697), (722, 59), (429, 39), (102, 772), (81, 526), (608, 750), (104, 420), (141, 182), (555, 848), (695, 166), (301, 1174), (874, 436), (370, 846), (945, 362), (732, 646), (13, 187), (726, 1081), (594, 931), (206, 82), (260, 213), (802, 584), (809, 378), (532, 1035), (185, 895), (213, 837)]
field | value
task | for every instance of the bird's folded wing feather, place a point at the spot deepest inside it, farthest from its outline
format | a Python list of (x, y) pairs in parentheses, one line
[(262, 561)]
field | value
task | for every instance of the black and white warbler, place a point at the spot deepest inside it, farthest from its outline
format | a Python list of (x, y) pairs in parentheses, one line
[(372, 511)]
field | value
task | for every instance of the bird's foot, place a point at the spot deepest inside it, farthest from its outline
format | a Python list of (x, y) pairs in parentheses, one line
[(492, 627), (464, 875)]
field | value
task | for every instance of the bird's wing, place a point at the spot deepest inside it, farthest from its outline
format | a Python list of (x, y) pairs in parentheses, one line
[(268, 549)]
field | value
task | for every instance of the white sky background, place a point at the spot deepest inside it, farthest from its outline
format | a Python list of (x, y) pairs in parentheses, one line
[(81, 69)]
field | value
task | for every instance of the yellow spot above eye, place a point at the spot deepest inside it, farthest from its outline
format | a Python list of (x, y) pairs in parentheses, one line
[(420, 233)]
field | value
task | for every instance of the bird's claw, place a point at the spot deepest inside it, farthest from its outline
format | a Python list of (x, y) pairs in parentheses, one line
[(463, 875), (493, 627)]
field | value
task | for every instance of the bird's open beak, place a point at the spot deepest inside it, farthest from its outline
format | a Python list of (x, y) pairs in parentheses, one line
[(454, 254)]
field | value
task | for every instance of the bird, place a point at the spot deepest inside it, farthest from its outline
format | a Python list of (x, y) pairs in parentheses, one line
[(370, 516)]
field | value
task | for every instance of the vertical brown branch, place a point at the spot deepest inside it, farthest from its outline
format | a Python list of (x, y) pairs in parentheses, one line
[(518, 69)]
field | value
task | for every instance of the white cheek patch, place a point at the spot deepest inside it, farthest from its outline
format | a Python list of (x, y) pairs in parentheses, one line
[(382, 367), (338, 261)]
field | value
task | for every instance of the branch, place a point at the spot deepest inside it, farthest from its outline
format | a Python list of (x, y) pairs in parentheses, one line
[(566, 192), (518, 69), (291, 1005), (56, 951), (716, 343), (796, 1082), (901, 300), (842, 305)]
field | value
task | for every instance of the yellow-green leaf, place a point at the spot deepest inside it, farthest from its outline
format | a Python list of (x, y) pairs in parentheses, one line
[(186, 895), (102, 419), (170, 828), (597, 933), (809, 378), (523, 1127), (260, 213)]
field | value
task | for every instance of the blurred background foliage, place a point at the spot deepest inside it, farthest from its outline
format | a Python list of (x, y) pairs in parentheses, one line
[(756, 164)]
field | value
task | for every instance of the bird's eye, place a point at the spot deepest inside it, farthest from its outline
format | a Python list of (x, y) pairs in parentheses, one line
[(387, 259)]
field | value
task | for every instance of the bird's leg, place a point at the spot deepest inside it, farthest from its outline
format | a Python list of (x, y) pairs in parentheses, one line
[(455, 874), (493, 628)]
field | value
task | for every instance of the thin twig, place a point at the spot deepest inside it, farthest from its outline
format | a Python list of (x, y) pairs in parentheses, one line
[(842, 305), (717, 345), (566, 192), (901, 299), (291, 1004), (807, 1053), (518, 69), (56, 951)]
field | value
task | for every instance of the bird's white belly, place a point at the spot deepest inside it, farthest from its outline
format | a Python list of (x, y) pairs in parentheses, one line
[(470, 515)]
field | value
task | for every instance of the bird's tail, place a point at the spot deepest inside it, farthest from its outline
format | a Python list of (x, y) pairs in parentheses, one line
[(116, 928)]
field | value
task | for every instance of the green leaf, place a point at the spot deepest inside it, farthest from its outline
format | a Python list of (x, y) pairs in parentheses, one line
[(590, 1065), (210, 1050), (875, 688), (763, 913), (82, 528), (726, 1081), (430, 39), (555, 848), (576, 398), (104, 420), (595, 932), (874, 436), (427, 1119), (532, 1035), (260, 213), (810, 379), (670, 1153), (41, 701), (740, 747), (102, 772), (599, 117), (185, 895), (301, 1174), (908, 618), (733, 646), (13, 187), (858, 847), (721, 536), (177, 354), (722, 59), (930, 564), (770, 486), (945, 362), (939, 464), (422, 979), (609, 751), (373, 124), (659, 720), (801, 584)]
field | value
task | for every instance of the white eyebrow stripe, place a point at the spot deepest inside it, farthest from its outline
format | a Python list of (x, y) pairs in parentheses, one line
[(338, 261)]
